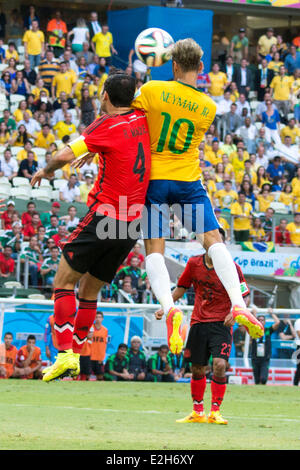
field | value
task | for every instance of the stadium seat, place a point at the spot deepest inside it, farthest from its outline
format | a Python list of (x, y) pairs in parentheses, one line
[(45, 183), (253, 105), (15, 99), (3, 67), (12, 284), (279, 207), (5, 188), (19, 67), (21, 192), (15, 150), (39, 151), (41, 194), (58, 174), (252, 95), (55, 195), (2, 148), (36, 297), (59, 184), (258, 125), (20, 181)]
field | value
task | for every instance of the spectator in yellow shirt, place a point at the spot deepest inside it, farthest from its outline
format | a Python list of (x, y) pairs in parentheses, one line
[(102, 44), (65, 127), (265, 198), (219, 83), (63, 81), (18, 114), (86, 187), (238, 163), (215, 155), (257, 233), (34, 44), (275, 64), (209, 184), (241, 212), (223, 223), (294, 229), (39, 86), (265, 42), (11, 52), (281, 89), (227, 196), (287, 196), (44, 137), (291, 130), (23, 153), (228, 168)]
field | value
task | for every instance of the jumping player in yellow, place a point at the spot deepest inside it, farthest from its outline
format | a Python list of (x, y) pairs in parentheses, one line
[(178, 116)]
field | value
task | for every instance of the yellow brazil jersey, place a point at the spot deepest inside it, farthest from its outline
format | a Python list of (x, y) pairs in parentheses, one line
[(178, 116), (282, 87), (34, 41), (295, 184), (103, 43), (62, 129), (293, 133), (286, 198), (37, 91), (223, 223), (218, 81), (22, 154), (44, 142), (257, 233), (264, 202), (18, 114), (241, 223), (226, 198), (294, 233)]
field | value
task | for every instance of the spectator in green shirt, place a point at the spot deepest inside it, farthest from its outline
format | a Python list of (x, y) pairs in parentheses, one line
[(116, 367), (160, 365), (33, 254), (50, 266), (137, 359), (239, 46), (45, 217)]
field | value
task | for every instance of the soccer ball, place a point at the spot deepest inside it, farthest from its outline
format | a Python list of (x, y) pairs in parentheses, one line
[(153, 46)]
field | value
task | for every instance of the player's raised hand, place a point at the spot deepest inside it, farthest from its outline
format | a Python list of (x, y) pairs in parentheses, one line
[(38, 176), (159, 314), (80, 161)]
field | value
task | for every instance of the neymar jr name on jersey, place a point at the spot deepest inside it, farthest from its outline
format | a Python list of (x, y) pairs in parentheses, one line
[(171, 98)]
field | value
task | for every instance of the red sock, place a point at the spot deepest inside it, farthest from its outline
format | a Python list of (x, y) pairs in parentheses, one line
[(218, 388), (197, 390), (84, 319), (64, 316)]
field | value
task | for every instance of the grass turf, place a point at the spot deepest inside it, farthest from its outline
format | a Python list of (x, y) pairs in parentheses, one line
[(74, 415)]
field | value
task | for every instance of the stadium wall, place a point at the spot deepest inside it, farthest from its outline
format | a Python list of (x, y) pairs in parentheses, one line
[(180, 23)]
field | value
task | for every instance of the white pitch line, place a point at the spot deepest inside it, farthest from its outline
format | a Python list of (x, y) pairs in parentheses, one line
[(113, 410)]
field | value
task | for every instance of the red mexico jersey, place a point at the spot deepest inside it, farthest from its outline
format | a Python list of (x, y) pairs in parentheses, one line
[(123, 144), (212, 302)]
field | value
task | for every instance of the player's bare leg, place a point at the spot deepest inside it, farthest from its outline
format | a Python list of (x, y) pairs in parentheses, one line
[(227, 273), (218, 388), (198, 385), (160, 283)]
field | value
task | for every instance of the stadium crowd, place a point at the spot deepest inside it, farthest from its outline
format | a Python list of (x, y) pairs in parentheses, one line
[(49, 92)]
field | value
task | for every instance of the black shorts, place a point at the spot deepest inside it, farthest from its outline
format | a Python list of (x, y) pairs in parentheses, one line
[(85, 365), (97, 367), (208, 339), (101, 257)]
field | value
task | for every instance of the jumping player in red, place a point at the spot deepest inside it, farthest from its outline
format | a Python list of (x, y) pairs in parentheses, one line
[(104, 237), (210, 333)]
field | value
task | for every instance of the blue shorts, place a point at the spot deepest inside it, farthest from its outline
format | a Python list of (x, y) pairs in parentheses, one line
[(188, 200)]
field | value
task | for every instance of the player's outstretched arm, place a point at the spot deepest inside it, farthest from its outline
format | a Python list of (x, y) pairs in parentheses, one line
[(60, 159)]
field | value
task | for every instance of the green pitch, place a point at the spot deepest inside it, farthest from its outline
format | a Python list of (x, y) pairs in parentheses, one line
[(114, 416)]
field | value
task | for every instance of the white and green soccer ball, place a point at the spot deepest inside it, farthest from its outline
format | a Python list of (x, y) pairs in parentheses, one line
[(153, 46)]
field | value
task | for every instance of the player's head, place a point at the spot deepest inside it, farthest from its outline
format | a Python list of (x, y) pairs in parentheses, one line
[(122, 350), (8, 339), (186, 57), (31, 339), (223, 234), (118, 92)]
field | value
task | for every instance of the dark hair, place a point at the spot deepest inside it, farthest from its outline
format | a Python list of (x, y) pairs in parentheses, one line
[(222, 233), (31, 202), (8, 333), (163, 346), (100, 313), (120, 88), (122, 345), (31, 337), (53, 215)]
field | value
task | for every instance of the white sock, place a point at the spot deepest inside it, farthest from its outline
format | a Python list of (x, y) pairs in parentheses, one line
[(159, 280), (226, 272)]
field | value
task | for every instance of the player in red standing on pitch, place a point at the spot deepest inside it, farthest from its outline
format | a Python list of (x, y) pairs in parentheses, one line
[(104, 237), (210, 333)]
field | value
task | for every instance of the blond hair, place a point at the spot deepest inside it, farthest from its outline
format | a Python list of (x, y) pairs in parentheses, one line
[(187, 54)]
